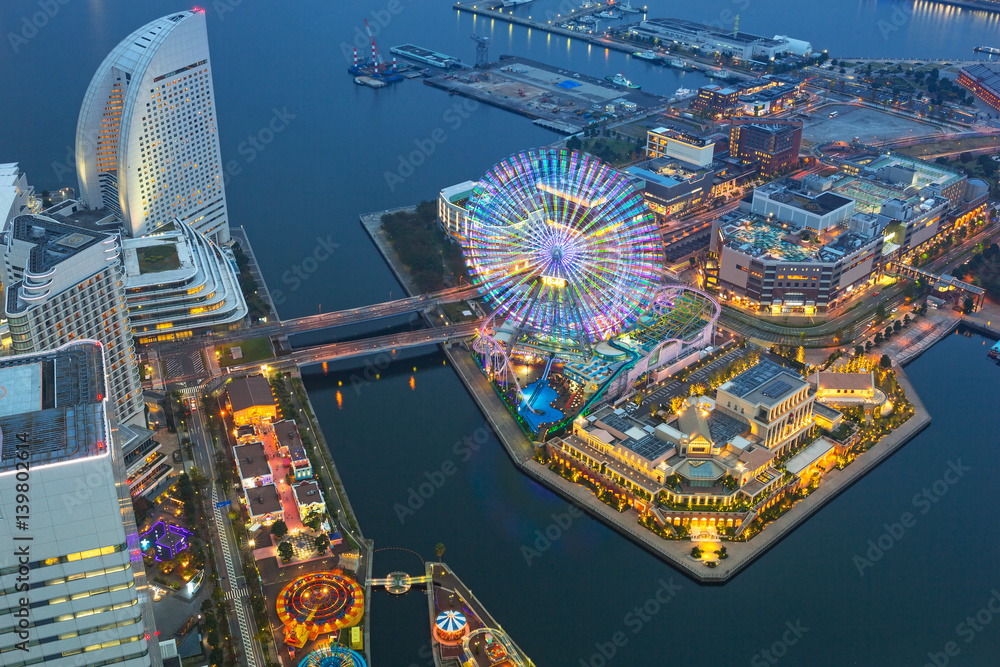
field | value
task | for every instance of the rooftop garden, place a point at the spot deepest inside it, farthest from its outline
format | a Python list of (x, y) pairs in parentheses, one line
[(158, 258)]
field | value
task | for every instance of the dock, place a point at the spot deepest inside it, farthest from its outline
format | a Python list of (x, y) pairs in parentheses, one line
[(557, 99), (426, 56)]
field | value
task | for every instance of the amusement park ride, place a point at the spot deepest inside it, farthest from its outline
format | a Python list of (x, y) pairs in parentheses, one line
[(569, 256)]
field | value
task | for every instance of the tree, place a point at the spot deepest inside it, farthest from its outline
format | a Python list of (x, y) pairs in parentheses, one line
[(968, 305), (279, 529), (321, 543), (897, 325), (880, 313), (869, 345), (885, 361), (285, 551), (439, 550), (313, 520), (676, 403), (878, 337), (858, 350)]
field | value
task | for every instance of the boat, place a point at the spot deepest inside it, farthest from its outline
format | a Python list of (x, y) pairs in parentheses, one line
[(679, 64), (628, 8), (994, 352), (683, 94), (515, 3), (720, 74), (587, 19), (645, 55), (620, 80), (608, 14)]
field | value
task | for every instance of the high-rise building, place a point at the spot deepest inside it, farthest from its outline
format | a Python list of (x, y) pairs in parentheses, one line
[(64, 283), (71, 566), (147, 140), (771, 145)]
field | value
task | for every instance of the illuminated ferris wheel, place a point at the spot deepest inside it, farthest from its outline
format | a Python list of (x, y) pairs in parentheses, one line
[(562, 246)]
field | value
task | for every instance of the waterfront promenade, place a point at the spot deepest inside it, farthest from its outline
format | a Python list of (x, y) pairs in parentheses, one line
[(677, 552)]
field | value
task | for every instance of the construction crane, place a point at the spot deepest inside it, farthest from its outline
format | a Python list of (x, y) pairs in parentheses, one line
[(376, 68), (378, 62), (482, 51)]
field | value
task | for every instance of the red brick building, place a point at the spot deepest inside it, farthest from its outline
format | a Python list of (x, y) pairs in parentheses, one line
[(771, 145)]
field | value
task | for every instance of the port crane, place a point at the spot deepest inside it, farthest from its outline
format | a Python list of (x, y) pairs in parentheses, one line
[(482, 51), (377, 68)]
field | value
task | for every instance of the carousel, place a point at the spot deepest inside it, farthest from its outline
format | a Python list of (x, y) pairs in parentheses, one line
[(450, 627), (317, 604)]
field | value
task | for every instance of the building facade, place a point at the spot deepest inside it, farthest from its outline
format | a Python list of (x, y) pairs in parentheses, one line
[(62, 284), (984, 82), (787, 201), (86, 594), (16, 196), (452, 214), (147, 140), (762, 264), (179, 282), (251, 401), (692, 150), (771, 145)]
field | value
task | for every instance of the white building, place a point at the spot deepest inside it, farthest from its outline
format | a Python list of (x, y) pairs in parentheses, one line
[(452, 212), (63, 283), (178, 282), (86, 596), (16, 196), (665, 142), (147, 140), (789, 201)]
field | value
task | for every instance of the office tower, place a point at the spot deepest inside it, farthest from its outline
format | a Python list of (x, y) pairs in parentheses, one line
[(16, 196), (147, 140), (63, 283), (71, 563), (772, 145)]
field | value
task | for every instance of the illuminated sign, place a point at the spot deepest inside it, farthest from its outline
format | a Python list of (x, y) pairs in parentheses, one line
[(552, 281)]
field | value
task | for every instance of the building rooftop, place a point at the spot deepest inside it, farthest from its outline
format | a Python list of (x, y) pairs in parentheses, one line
[(755, 236), (767, 383), (54, 242), (844, 381), (263, 500), (926, 173), (808, 456), (633, 435), (700, 30), (248, 392), (792, 194), (307, 493), (251, 460), (287, 434), (56, 401)]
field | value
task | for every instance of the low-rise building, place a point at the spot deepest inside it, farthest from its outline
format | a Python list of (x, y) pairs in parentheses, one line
[(669, 186), (984, 82), (716, 101), (146, 466), (264, 505), (741, 44), (309, 499), (692, 150), (452, 202), (252, 466), (289, 442), (844, 387), (802, 207), (179, 283), (250, 400)]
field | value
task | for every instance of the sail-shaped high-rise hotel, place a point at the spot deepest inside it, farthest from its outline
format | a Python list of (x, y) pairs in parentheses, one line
[(147, 140)]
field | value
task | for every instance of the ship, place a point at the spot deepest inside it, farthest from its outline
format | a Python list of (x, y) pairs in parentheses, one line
[(683, 94), (608, 14), (515, 3), (628, 8), (719, 74), (994, 352), (587, 19), (620, 80), (679, 64), (645, 55)]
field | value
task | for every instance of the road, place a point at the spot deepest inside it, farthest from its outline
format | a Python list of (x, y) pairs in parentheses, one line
[(227, 553), (328, 320)]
